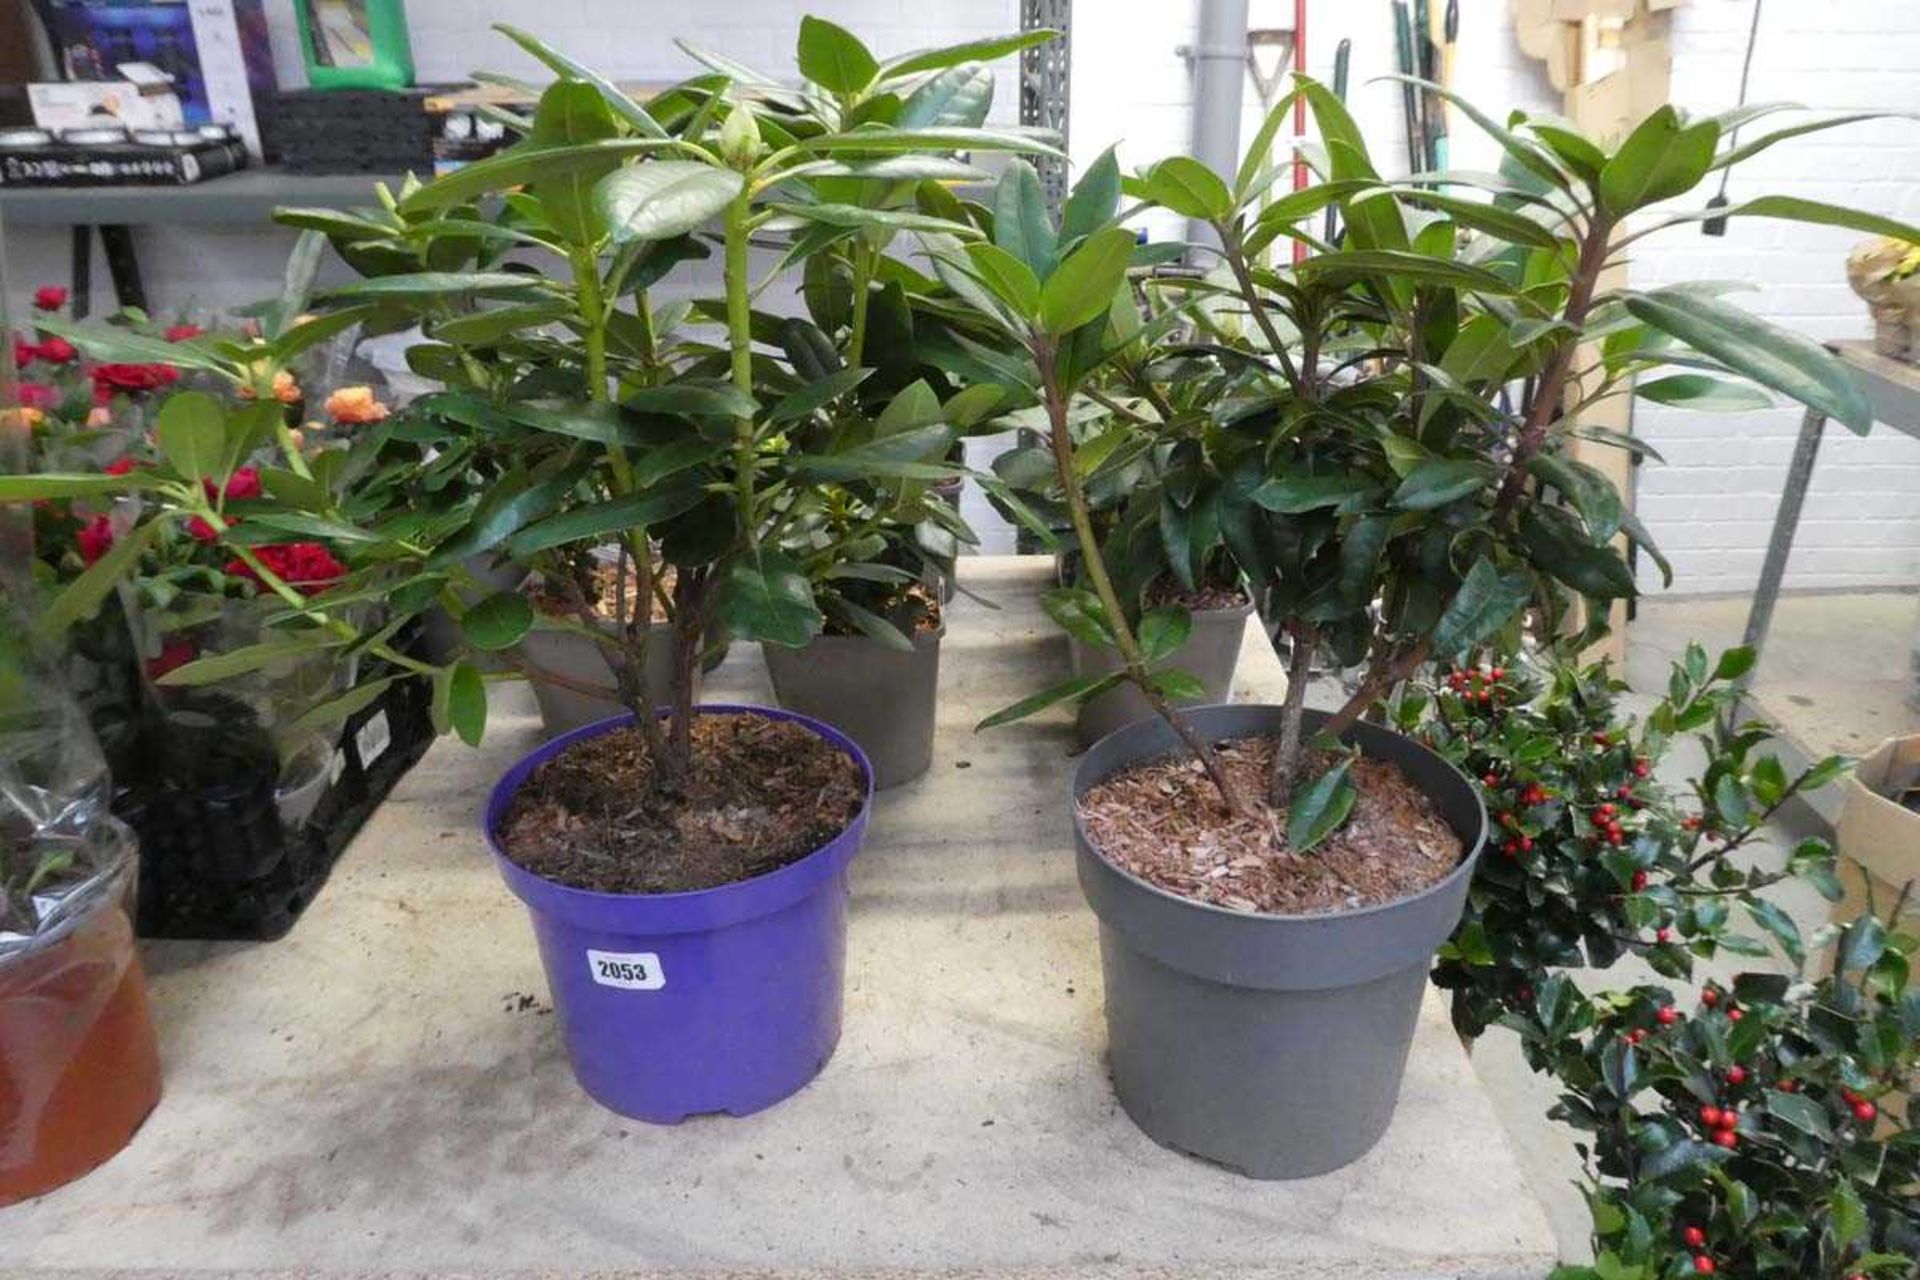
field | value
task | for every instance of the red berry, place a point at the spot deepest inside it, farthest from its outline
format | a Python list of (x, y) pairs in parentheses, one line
[(1605, 811), (1734, 1015), (1640, 769), (1729, 1119), (1526, 844), (1498, 673), (1486, 695), (1625, 792), (1600, 739), (1726, 1138), (1663, 934), (1694, 1237), (1864, 1111), (1789, 1086), (1504, 819), (1491, 780), (1849, 1097), (1510, 848), (1710, 1117), (1736, 1075), (1704, 1265), (1615, 838), (1711, 997), (1668, 1015), (1639, 881)]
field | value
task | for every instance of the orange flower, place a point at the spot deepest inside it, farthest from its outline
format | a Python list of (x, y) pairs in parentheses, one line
[(354, 405), (27, 417), (285, 389), (99, 416)]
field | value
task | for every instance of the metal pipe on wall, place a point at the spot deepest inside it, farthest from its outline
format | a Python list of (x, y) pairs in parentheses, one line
[(1220, 73)]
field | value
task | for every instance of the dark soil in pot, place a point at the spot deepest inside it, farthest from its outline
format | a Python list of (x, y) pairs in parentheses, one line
[(1273, 1044), (763, 794)]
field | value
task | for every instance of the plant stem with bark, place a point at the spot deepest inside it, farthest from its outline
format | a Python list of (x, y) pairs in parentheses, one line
[(1135, 660)]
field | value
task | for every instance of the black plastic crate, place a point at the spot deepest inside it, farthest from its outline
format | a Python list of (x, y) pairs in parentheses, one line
[(383, 131), (216, 862)]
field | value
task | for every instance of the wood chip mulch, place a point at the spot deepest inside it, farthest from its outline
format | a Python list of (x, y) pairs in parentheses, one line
[(764, 793), (1164, 822), (1166, 591)]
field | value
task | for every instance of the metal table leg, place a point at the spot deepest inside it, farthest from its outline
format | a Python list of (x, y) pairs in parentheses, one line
[(1785, 522)]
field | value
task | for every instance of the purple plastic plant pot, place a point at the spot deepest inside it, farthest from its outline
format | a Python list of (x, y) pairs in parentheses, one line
[(680, 1004)]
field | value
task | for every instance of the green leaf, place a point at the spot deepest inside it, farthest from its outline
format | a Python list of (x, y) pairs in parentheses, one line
[(1293, 495), (497, 622), (912, 454), (1864, 942), (1163, 631), (1010, 278), (1660, 159), (1439, 481), (1176, 685), (987, 50), (80, 599), (1085, 687), (883, 140), (192, 434), (959, 95), (766, 597), (713, 399), (833, 57), (1183, 185), (1081, 289), (1680, 1155), (467, 702), (1699, 391), (1080, 614), (1486, 601), (439, 284), (1588, 491), (1021, 224), (1748, 150), (1319, 807), (1789, 363), (593, 523), (1094, 199), (519, 165), (1800, 1111), (1497, 221), (1735, 663), (238, 662), (1391, 265), (664, 198), (337, 709), (37, 485), (816, 394), (623, 106), (508, 506), (1793, 209), (115, 344)]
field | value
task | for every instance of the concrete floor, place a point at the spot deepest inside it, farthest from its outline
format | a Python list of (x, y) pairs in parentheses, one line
[(384, 1090), (1835, 677)]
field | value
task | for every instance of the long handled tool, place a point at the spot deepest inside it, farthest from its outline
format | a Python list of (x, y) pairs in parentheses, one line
[(1409, 95), (1342, 60)]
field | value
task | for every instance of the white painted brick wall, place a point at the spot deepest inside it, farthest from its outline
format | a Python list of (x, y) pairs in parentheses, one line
[(1709, 507)]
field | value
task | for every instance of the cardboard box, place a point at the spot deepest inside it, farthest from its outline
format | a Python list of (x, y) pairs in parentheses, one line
[(1879, 837)]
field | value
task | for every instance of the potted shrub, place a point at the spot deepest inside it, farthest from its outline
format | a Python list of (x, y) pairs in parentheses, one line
[(685, 865), (81, 1070), (1269, 916)]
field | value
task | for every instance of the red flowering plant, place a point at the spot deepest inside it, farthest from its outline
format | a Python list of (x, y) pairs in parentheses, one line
[(251, 558), (1593, 857)]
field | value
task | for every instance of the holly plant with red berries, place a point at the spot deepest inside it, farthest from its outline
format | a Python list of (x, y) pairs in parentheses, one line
[(1766, 1133), (1591, 856)]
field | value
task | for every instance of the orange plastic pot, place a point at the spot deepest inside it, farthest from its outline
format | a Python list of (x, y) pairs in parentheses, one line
[(79, 1064)]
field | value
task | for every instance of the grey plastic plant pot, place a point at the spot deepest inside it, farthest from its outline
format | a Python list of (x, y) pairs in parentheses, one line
[(1273, 1045), (1211, 653), (880, 697), (583, 665)]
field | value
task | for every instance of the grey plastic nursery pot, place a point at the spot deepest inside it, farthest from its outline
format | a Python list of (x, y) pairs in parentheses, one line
[(1211, 653), (573, 682), (882, 698), (1273, 1045)]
